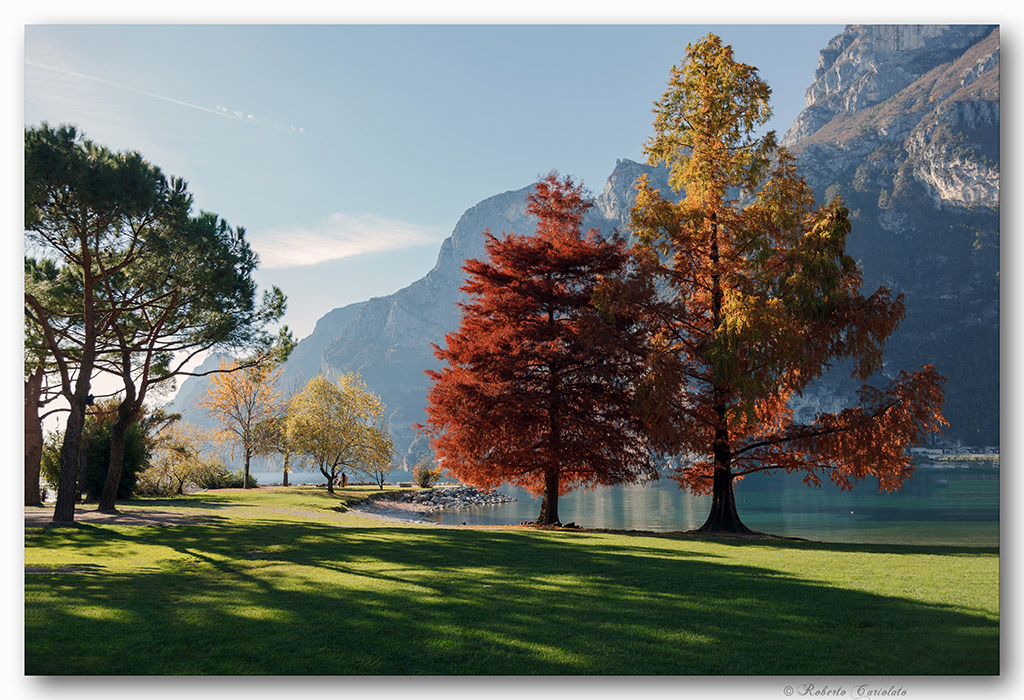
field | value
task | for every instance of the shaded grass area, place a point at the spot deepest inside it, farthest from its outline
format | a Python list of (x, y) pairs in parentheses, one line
[(282, 583)]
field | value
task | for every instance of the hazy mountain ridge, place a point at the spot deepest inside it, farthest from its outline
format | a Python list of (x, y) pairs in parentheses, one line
[(902, 122), (192, 391), (306, 360)]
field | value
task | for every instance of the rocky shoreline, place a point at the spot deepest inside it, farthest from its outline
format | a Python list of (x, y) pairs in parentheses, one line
[(442, 497), (409, 506)]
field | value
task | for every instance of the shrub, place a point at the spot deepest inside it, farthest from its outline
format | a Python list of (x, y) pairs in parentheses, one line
[(217, 476), (96, 438), (424, 476), (179, 463), (49, 467)]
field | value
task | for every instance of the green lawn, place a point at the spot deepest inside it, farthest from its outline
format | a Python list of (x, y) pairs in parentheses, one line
[(283, 581)]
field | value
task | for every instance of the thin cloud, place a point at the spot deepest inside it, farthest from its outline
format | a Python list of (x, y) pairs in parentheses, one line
[(336, 237), (218, 110)]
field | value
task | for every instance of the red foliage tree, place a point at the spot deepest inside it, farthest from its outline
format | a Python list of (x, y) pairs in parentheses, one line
[(538, 385), (761, 299)]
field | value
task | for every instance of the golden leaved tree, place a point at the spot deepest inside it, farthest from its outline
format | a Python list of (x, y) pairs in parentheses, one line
[(247, 402), (340, 427), (761, 298)]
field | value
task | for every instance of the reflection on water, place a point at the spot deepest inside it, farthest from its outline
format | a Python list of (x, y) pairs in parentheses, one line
[(937, 506)]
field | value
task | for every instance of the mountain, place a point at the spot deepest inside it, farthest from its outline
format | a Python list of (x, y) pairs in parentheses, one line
[(306, 360), (192, 391), (902, 122)]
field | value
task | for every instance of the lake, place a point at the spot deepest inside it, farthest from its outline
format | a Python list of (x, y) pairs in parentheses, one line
[(948, 505)]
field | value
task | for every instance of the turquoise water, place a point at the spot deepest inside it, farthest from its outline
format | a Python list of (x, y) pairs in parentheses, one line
[(937, 506), (951, 506)]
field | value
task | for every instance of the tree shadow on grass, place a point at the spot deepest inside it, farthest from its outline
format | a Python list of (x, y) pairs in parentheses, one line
[(850, 547), (315, 599), (205, 503)]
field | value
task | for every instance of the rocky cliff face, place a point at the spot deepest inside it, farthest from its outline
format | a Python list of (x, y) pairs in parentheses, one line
[(306, 360), (902, 122), (867, 64), (905, 107), (619, 195)]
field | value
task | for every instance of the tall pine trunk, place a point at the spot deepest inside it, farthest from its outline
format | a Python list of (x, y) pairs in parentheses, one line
[(71, 455), (115, 465), (127, 413), (549, 501), (33, 437)]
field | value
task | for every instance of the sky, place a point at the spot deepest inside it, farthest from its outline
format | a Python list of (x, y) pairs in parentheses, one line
[(348, 153)]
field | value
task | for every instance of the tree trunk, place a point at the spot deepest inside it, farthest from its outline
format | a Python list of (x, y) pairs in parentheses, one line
[(70, 464), (33, 437), (284, 476), (128, 411), (330, 481), (549, 501), (245, 474), (115, 465), (723, 517)]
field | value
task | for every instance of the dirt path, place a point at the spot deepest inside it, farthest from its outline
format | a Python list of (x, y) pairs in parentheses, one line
[(42, 516)]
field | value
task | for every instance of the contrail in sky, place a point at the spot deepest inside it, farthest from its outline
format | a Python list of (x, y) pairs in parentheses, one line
[(219, 111)]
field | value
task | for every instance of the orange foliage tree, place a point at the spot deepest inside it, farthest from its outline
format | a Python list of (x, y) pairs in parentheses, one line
[(538, 384), (762, 299), (247, 402)]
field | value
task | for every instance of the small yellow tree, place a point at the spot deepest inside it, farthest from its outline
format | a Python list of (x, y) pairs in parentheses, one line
[(340, 427), (247, 402), (178, 461)]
